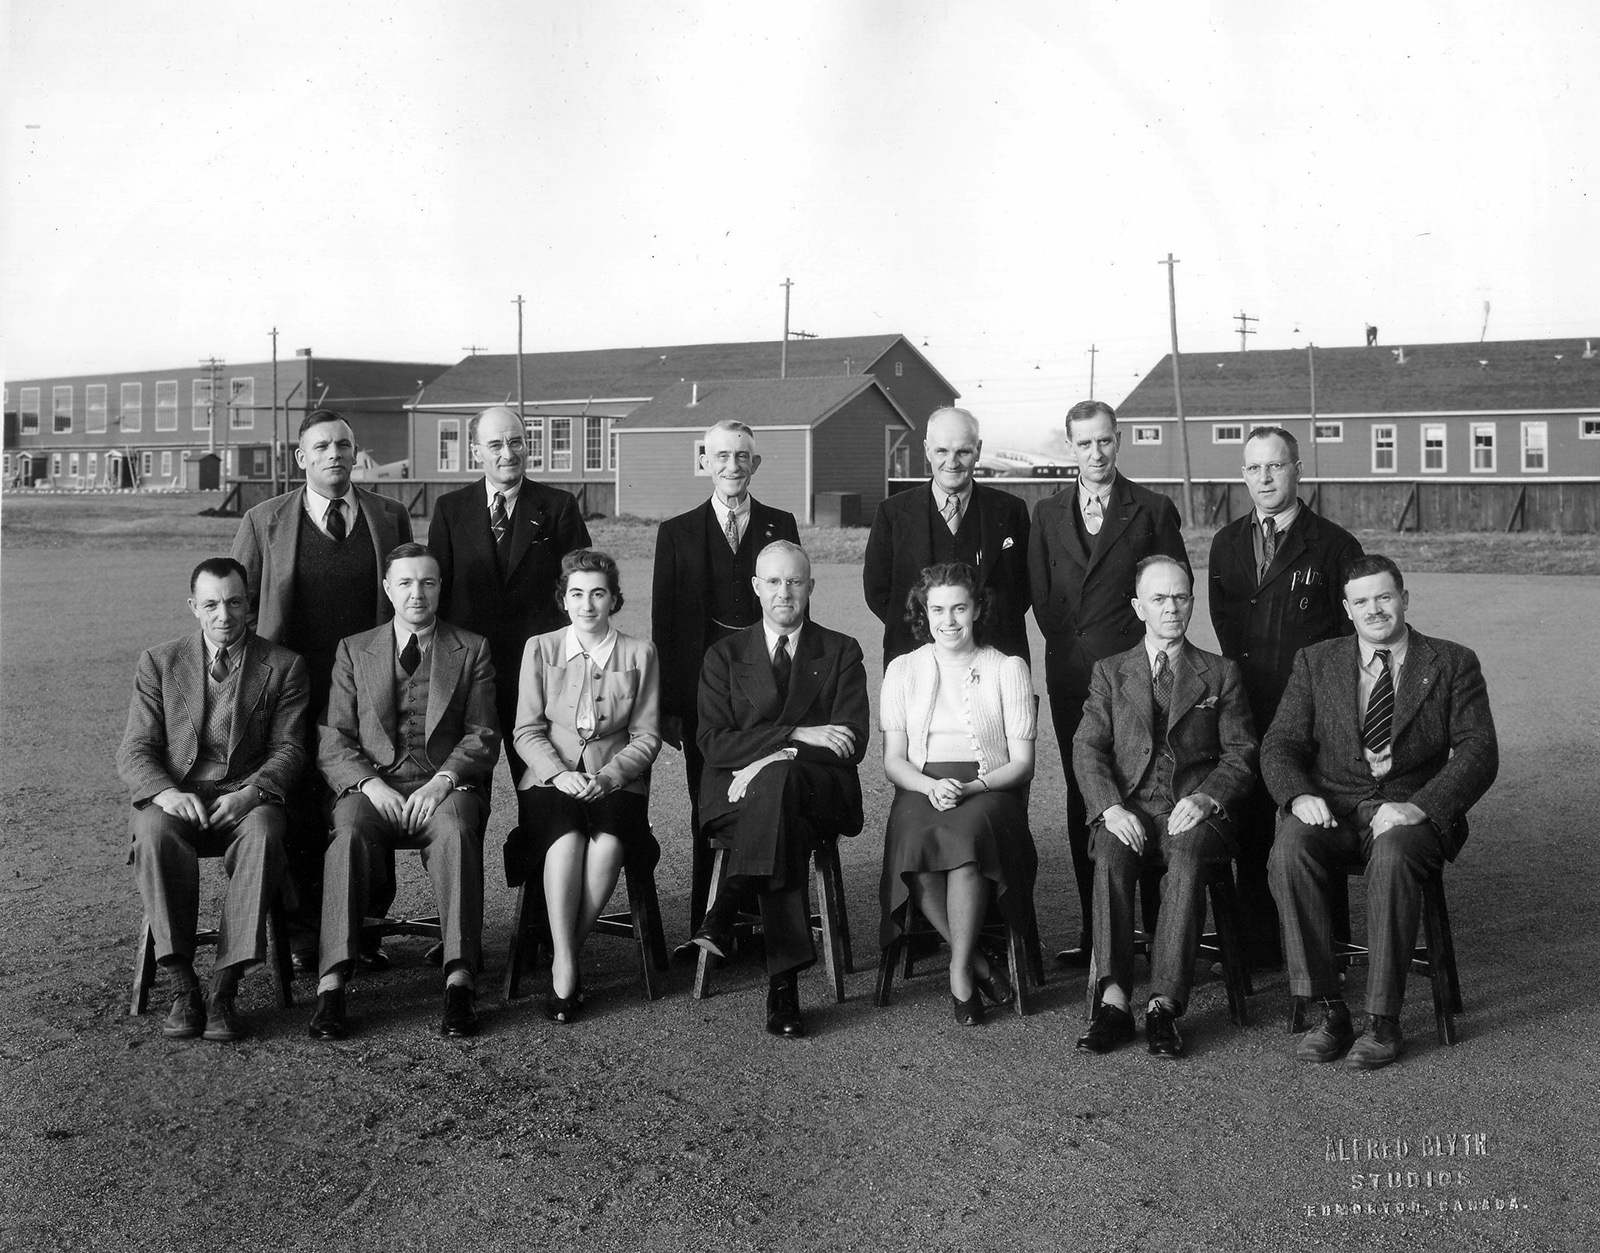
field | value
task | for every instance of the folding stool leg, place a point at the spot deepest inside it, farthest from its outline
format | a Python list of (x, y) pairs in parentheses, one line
[(702, 967), (655, 936), (515, 955), (144, 969), (641, 936), (278, 958), (828, 911), (1444, 1020), (1449, 951), (1016, 960), (886, 964), (1224, 915), (836, 873)]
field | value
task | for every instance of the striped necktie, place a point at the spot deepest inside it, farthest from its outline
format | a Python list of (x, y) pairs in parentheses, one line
[(952, 513), (1380, 708), (1269, 546), (1094, 514)]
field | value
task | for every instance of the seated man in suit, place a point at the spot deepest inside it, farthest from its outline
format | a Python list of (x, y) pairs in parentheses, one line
[(408, 748), (1381, 744), (215, 740), (783, 725), (1164, 749)]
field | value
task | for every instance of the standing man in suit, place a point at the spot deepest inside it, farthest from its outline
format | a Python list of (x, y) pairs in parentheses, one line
[(950, 519), (783, 727), (313, 559), (704, 591), (1087, 541), (1275, 587), (408, 748), (215, 740), (499, 543), (1164, 751), (1380, 746)]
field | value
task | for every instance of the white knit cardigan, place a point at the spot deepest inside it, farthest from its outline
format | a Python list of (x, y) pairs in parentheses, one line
[(999, 703)]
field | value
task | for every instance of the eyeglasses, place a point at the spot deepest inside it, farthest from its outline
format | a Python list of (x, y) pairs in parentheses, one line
[(1274, 467), (788, 585), (496, 446)]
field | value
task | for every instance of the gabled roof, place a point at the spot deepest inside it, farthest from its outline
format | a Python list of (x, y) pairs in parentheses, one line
[(1435, 378), (616, 373), (755, 402)]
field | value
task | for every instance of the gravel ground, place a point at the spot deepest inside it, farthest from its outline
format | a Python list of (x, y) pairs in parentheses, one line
[(680, 1124)]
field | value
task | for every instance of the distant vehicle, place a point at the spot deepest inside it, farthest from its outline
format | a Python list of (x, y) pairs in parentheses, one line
[(1008, 463)]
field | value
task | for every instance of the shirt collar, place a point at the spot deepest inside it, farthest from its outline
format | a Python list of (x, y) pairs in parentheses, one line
[(1171, 647), (318, 504), (772, 637), (403, 631), (964, 495), (1102, 493), (740, 512), (235, 649), (1397, 652), (510, 493), (599, 655), (1282, 521)]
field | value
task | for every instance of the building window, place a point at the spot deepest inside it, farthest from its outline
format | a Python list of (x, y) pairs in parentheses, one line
[(899, 369), (1433, 459), (449, 445), (30, 411), (258, 463), (1383, 449), (55, 465), (1227, 433), (72, 465), (613, 450), (1147, 435), (242, 404), (61, 409), (1329, 433), (1483, 447), (594, 444), (94, 408), (200, 404), (700, 467), (167, 405), (132, 407), (94, 466), (1535, 444), (166, 464), (1589, 428), (560, 444), (534, 428), (147, 464)]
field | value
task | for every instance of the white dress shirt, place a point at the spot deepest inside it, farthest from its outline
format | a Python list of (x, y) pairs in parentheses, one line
[(317, 505)]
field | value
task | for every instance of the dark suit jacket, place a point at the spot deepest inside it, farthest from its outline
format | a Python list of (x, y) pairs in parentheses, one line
[(1208, 729), (1445, 750), (356, 739), (741, 719), (679, 617), (900, 548), (266, 745), (1083, 600), (546, 525), (268, 542), (1299, 603)]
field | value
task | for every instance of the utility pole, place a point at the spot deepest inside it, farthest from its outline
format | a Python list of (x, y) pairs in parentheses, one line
[(472, 350), (274, 411), (518, 303), (783, 353), (1177, 389), (1244, 319), (1092, 351), (1311, 357), (213, 367)]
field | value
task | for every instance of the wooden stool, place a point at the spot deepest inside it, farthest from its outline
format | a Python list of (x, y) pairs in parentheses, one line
[(278, 959), (830, 922), (1434, 957), (1021, 946)]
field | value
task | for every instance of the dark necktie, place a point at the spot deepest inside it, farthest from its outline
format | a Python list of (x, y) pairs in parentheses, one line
[(499, 522), (1162, 686), (1380, 708), (731, 531), (410, 656), (219, 667), (782, 665), (336, 528), (1269, 546)]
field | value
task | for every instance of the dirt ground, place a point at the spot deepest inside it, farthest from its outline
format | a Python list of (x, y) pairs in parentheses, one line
[(680, 1124)]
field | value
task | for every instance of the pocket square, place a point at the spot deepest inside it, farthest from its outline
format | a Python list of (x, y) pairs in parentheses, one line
[(1210, 702), (1008, 544)]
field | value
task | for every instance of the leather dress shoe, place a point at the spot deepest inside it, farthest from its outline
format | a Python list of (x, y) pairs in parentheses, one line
[(327, 1020), (1108, 1028), (1379, 1044), (460, 1012), (969, 1013), (223, 1024), (1161, 1031), (1325, 1042), (372, 957), (783, 1009), (187, 1017), (714, 937), (997, 988), (1076, 957)]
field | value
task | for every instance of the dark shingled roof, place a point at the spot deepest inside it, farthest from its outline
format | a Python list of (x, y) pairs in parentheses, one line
[(1436, 378), (755, 402), (613, 373)]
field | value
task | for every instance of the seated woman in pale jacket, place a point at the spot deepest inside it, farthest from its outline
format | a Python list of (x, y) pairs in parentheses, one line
[(589, 726), (958, 729)]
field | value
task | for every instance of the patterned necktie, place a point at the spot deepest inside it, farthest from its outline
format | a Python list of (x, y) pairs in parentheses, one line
[(782, 665), (1094, 514), (1380, 708), (219, 666), (731, 531), (410, 656), (1163, 682), (336, 527), (1269, 546), (498, 522), (952, 513)]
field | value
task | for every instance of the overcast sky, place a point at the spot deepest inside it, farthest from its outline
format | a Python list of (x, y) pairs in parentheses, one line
[(997, 179)]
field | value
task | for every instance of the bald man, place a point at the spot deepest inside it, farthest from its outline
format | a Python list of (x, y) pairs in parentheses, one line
[(950, 518)]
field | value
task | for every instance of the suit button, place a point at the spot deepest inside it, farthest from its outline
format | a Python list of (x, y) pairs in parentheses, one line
[(1246, 656), (1252, 600)]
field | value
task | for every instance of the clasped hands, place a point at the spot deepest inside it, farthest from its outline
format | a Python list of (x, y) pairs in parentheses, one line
[(833, 736), (580, 786), (408, 813), (1314, 812), (1186, 814), (223, 814)]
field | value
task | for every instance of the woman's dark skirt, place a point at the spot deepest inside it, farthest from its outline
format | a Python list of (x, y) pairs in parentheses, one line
[(545, 814)]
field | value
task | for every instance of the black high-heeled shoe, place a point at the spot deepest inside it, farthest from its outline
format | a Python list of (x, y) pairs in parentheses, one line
[(969, 1013), (562, 1009), (997, 988)]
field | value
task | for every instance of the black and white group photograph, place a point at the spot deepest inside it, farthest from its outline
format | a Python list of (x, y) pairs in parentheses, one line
[(845, 627)]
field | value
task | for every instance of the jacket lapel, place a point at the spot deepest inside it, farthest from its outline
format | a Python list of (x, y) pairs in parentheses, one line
[(443, 676), (375, 683), (1068, 527), (527, 521), (805, 678), (1244, 544), (252, 682), (1134, 691), (1417, 678), (1189, 683), (1120, 511), (754, 668), (763, 526), (190, 681), (1290, 547), (283, 533), (919, 534), (989, 537)]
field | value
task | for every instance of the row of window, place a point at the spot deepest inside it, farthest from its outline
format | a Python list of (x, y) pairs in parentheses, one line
[(1434, 439), (130, 414), (85, 468), (550, 444)]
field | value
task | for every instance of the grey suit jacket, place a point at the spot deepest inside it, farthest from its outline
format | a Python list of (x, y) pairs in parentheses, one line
[(1445, 751), (356, 739), (1208, 729), (627, 705), (167, 716), (268, 542)]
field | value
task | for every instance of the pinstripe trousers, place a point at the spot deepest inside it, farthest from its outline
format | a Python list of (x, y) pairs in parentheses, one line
[(1303, 862)]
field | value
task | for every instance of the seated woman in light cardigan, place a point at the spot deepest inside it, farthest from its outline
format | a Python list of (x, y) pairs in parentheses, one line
[(589, 726), (958, 731)]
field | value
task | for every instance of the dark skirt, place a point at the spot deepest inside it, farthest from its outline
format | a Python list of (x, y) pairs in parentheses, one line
[(545, 814), (990, 829)]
